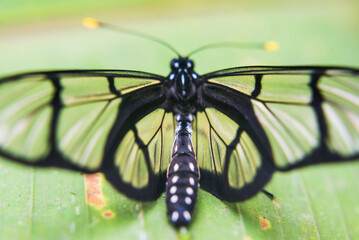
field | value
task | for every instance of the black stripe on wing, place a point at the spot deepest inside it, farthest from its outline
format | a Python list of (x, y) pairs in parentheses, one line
[(308, 114), (77, 120), (232, 150)]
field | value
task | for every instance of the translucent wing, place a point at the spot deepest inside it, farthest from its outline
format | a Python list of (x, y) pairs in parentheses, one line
[(258, 119), (232, 161), (89, 121)]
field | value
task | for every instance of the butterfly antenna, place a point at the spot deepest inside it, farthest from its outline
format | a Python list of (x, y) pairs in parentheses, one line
[(268, 46), (93, 23)]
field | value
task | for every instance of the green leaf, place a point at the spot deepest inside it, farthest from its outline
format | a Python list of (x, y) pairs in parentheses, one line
[(319, 202)]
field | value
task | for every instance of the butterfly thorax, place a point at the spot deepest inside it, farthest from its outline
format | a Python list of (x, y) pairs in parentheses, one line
[(183, 85)]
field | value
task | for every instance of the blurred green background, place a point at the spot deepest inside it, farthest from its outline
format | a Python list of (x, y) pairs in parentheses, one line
[(320, 202)]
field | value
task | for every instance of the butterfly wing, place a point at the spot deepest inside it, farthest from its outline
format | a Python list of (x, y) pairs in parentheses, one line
[(90, 121), (261, 119)]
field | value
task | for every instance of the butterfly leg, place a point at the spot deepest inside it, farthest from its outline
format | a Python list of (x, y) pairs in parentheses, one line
[(182, 175), (268, 194)]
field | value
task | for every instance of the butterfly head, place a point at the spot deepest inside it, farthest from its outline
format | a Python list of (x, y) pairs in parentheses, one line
[(182, 78), (181, 64)]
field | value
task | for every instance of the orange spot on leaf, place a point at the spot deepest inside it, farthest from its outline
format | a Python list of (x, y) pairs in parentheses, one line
[(265, 224), (276, 203), (108, 214), (94, 194)]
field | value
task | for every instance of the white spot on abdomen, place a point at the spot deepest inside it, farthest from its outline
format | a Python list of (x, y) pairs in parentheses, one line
[(189, 191), (191, 166), (175, 167), (174, 179), (191, 181), (175, 216), (174, 199), (187, 216), (173, 189)]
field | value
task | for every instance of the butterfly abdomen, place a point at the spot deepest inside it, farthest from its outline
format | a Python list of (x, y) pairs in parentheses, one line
[(183, 177)]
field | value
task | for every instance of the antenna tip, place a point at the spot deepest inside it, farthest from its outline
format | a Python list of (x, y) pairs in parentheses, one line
[(271, 46), (90, 23)]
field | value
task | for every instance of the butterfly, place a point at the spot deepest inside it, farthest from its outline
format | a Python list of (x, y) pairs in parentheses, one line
[(226, 131)]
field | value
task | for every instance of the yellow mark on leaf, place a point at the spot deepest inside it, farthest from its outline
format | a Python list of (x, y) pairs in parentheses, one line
[(108, 214), (94, 194), (265, 224)]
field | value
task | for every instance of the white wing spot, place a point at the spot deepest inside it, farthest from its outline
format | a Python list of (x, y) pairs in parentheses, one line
[(187, 216), (174, 199), (175, 216), (189, 191), (194, 75), (191, 166), (175, 179), (188, 200), (191, 181), (172, 76), (173, 189)]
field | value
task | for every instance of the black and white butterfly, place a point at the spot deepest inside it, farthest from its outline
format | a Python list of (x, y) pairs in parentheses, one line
[(227, 130)]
